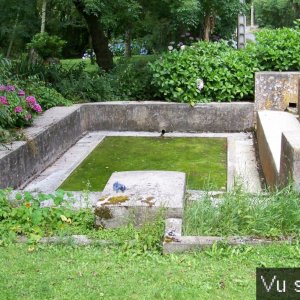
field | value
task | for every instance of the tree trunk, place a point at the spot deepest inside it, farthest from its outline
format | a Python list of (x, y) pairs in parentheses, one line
[(12, 39), (206, 29), (127, 43), (104, 57), (43, 22)]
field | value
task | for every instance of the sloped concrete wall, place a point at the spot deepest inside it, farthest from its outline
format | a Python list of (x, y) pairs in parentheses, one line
[(278, 137), (50, 136), (290, 158)]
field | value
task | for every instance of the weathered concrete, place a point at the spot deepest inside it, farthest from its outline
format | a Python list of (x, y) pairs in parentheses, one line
[(146, 194), (156, 116), (58, 128), (241, 160), (278, 156), (290, 158), (50, 135), (174, 241), (276, 90), (51, 178)]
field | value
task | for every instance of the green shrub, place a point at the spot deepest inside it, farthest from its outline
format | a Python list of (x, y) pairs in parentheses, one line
[(47, 45), (132, 78), (48, 97), (17, 109), (227, 74), (277, 49)]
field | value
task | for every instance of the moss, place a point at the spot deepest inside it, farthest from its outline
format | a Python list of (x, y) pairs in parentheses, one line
[(204, 160), (149, 201), (116, 200), (103, 212)]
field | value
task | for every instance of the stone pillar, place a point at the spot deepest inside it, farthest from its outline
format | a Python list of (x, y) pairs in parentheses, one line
[(276, 90), (241, 30)]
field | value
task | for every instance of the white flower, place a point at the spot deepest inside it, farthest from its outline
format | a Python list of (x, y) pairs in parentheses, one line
[(182, 47), (170, 48), (200, 84)]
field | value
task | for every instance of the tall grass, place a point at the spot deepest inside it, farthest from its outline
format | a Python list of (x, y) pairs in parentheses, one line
[(269, 214)]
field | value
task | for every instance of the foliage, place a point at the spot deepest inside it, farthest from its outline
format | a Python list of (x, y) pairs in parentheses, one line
[(48, 97), (17, 109), (47, 46), (269, 214), (277, 49), (132, 78), (79, 86), (228, 74), (276, 13), (24, 214)]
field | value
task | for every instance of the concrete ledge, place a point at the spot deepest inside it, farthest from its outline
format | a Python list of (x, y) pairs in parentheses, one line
[(174, 242), (277, 154)]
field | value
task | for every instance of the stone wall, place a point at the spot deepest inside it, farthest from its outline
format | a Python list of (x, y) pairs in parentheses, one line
[(58, 128), (276, 90), (156, 116), (50, 136)]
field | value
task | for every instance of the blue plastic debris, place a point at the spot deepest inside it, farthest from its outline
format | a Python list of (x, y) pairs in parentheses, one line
[(119, 187)]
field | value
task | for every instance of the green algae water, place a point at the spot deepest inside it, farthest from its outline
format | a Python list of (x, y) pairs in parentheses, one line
[(204, 160)]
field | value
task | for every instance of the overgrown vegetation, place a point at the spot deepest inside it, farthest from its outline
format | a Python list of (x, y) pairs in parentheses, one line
[(40, 215), (270, 214)]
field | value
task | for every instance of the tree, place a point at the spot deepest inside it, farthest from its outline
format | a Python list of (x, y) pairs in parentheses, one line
[(219, 13), (276, 13), (19, 22), (92, 13)]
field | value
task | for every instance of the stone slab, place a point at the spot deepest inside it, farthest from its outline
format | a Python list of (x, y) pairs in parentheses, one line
[(147, 193), (270, 126)]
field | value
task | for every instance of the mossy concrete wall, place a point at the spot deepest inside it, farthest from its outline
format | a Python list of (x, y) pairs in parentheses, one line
[(58, 128)]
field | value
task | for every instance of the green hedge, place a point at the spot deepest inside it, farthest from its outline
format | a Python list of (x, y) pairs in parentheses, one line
[(227, 73)]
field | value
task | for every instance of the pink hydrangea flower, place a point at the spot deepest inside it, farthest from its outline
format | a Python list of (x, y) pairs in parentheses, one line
[(21, 93), (18, 109), (10, 88), (3, 100), (28, 117), (31, 101), (2, 88), (37, 108)]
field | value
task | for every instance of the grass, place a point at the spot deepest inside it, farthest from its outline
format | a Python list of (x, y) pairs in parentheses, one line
[(202, 159), (274, 214), (94, 68), (67, 272)]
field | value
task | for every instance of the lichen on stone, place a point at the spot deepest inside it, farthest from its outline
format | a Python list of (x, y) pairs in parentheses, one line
[(116, 200)]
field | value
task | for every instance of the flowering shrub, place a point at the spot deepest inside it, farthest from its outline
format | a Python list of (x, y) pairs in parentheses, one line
[(205, 72), (17, 109)]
